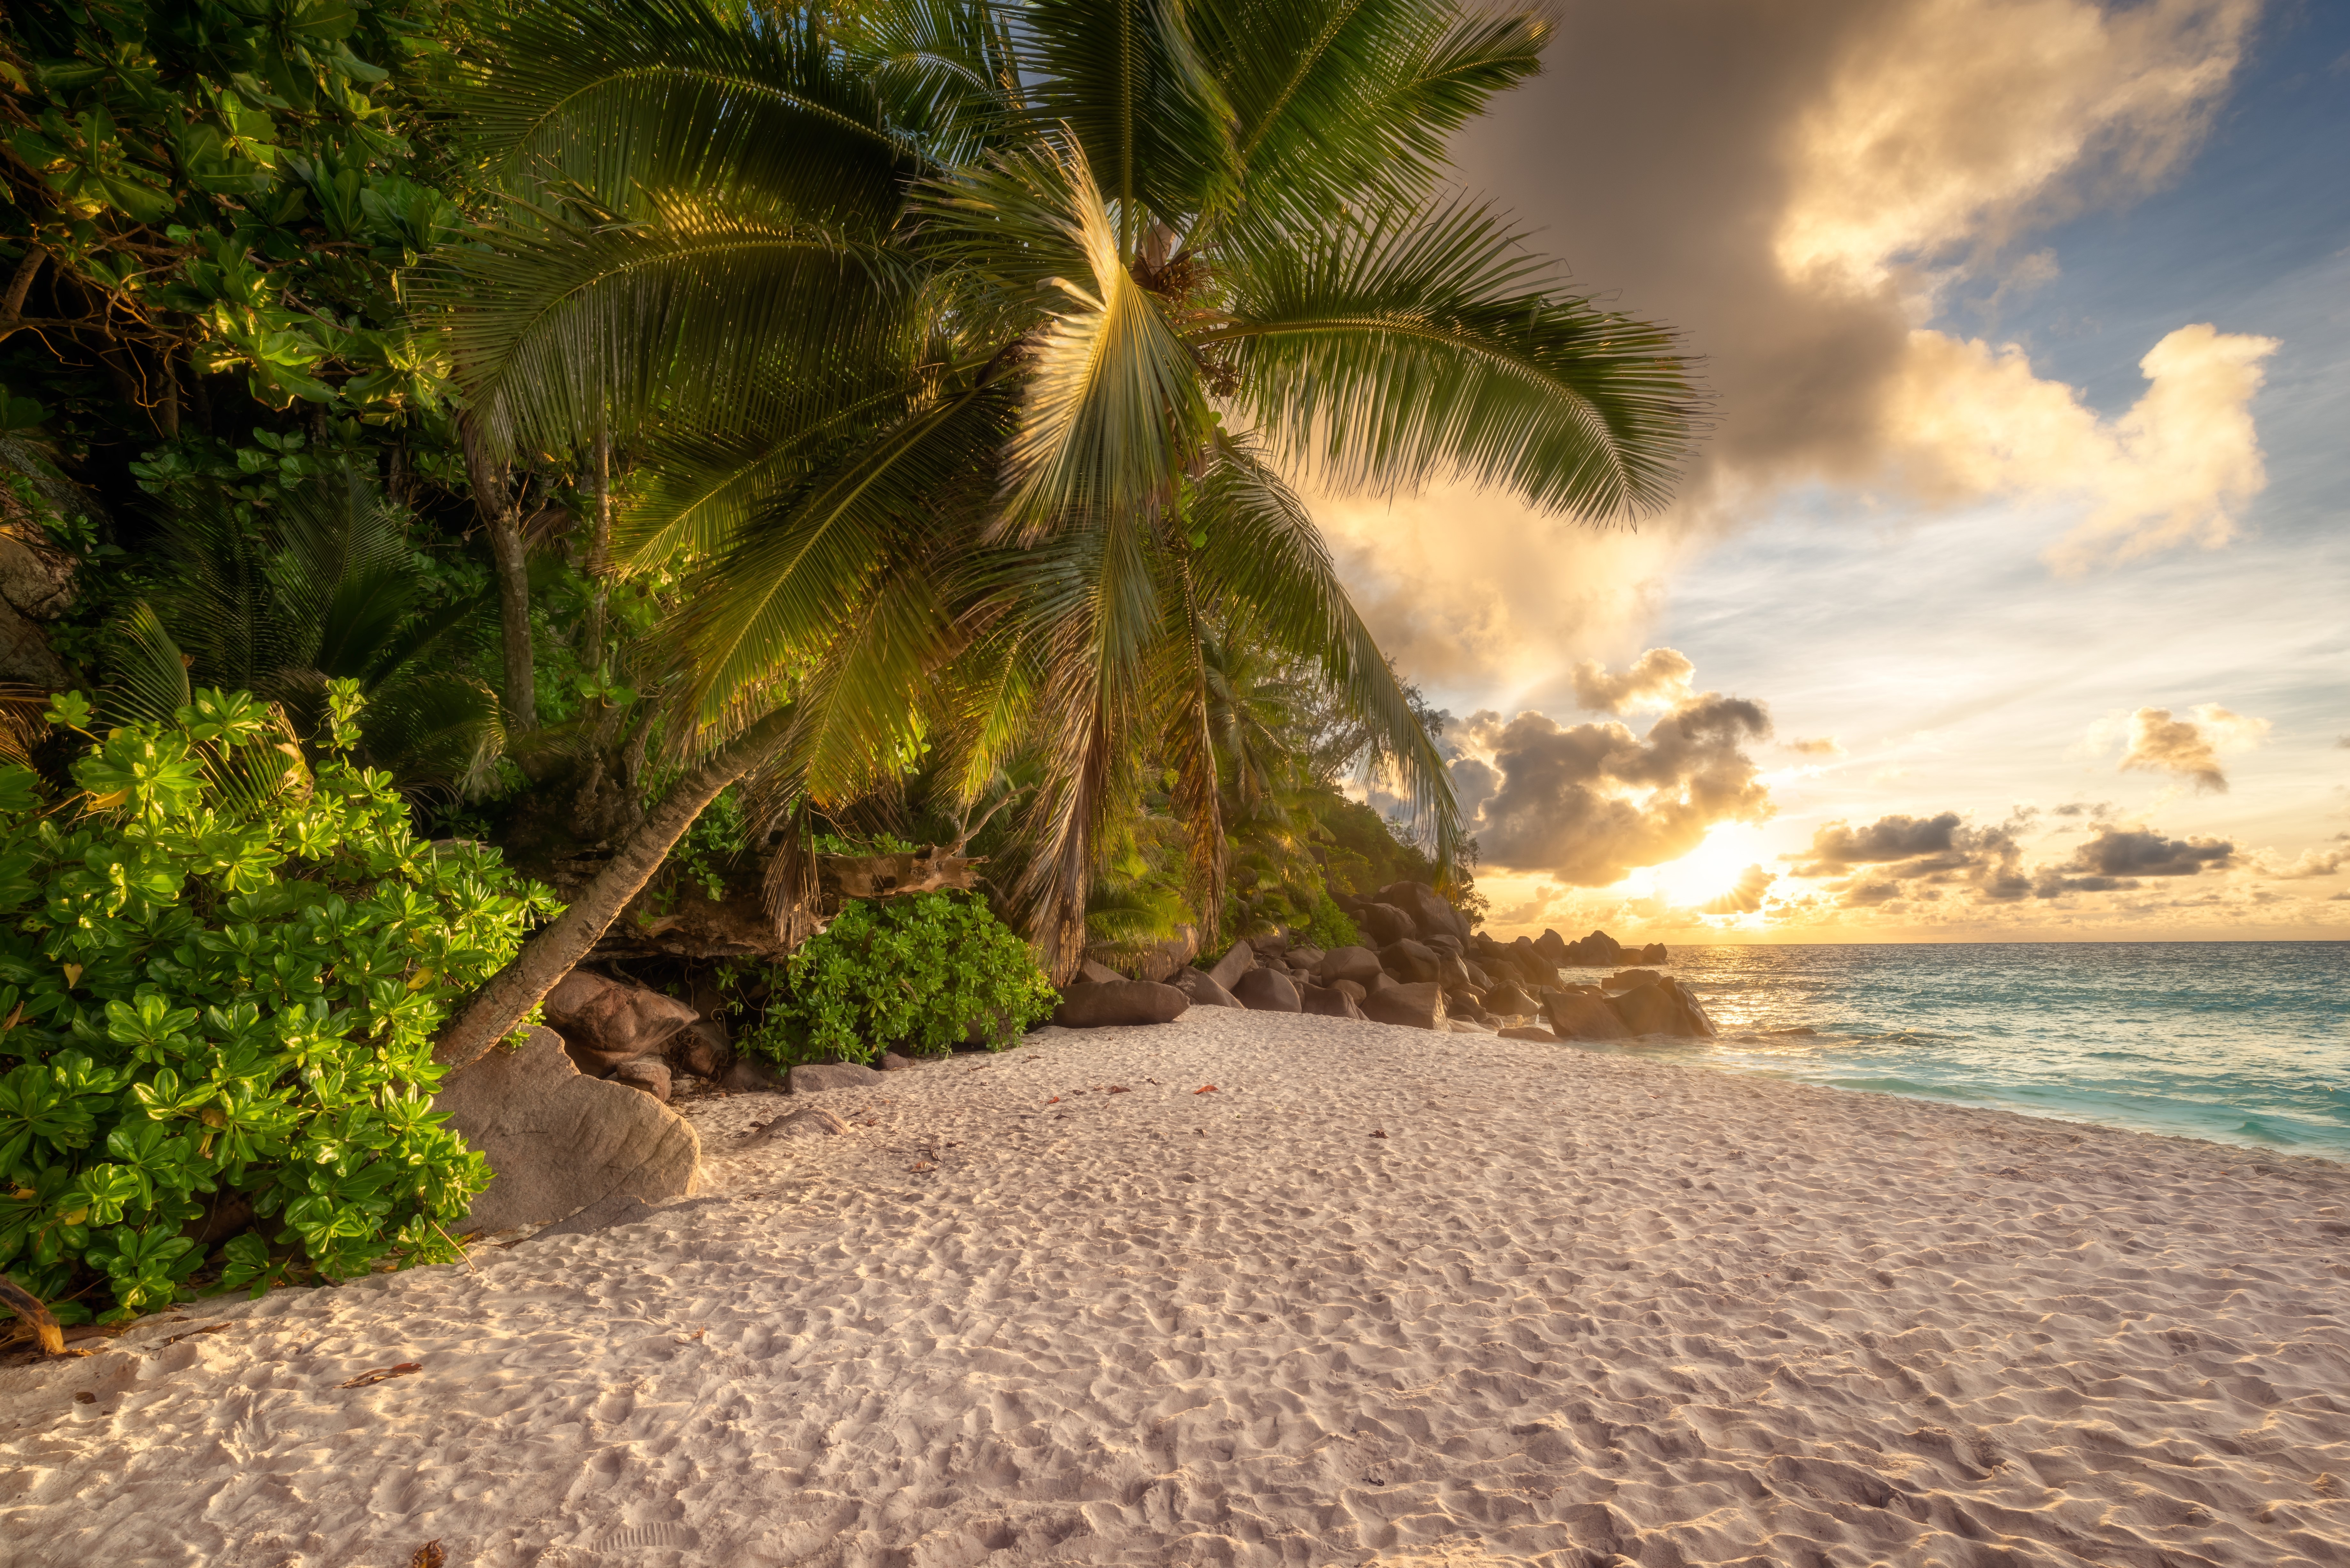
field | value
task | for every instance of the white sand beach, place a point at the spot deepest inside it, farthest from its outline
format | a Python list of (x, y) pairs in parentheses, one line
[(1383, 1296)]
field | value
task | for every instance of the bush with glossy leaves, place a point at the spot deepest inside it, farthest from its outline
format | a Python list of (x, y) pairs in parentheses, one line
[(919, 973), (219, 976)]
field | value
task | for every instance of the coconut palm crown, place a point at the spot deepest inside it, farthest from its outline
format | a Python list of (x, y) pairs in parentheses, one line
[(971, 353)]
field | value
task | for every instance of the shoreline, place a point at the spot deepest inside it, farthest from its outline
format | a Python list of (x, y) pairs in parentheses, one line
[(1572, 1306)]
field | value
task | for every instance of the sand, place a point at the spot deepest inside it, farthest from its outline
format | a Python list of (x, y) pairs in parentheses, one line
[(1572, 1308)]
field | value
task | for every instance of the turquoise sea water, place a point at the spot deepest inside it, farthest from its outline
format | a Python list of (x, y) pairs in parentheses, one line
[(2245, 1042)]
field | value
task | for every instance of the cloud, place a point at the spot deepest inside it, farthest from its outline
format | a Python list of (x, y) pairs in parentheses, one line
[(1820, 746), (1658, 679), (2311, 863), (2142, 852), (2190, 748), (1968, 422), (1805, 192), (1589, 802), (1901, 855)]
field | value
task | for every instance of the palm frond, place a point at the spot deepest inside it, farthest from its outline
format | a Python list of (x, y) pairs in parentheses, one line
[(1417, 344), (770, 606), (1124, 77), (1263, 555), (612, 98), (697, 315), (1333, 98), (1113, 402)]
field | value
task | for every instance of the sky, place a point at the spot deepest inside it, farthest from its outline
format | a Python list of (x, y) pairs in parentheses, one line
[(2005, 597)]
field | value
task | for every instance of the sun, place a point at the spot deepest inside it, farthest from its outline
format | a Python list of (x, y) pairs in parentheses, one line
[(1712, 868)]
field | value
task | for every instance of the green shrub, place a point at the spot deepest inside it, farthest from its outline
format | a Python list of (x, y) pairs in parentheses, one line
[(917, 973), (220, 974), (1330, 926)]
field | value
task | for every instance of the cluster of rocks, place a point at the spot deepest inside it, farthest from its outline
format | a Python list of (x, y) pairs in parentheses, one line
[(575, 1120), (1422, 967)]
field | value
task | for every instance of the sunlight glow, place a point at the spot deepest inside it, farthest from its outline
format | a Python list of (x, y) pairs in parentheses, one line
[(1712, 868)]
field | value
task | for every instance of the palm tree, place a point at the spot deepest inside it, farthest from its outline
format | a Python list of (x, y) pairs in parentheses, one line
[(976, 345)]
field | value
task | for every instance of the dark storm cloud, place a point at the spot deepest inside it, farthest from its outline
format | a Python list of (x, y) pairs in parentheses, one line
[(1589, 802)]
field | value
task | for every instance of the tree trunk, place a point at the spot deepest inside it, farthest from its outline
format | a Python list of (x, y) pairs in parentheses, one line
[(599, 554), (548, 957), (494, 500)]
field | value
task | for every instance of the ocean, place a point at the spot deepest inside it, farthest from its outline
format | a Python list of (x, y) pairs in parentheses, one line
[(2242, 1043)]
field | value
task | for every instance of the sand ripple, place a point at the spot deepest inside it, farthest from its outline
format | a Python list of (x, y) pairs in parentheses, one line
[(1571, 1308)]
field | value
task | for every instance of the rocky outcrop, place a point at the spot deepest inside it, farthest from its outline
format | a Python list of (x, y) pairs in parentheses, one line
[(1431, 915), (1266, 990), (1409, 962), (1582, 1016), (1358, 964), (1416, 1006), (1238, 959), (1118, 1003), (1508, 999), (1201, 988), (558, 1141), (1385, 924), (605, 1022), (1327, 1001)]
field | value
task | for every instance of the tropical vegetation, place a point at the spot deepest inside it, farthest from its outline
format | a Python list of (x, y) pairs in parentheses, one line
[(712, 433), (220, 971)]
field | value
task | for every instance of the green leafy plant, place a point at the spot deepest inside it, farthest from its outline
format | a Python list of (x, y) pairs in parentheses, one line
[(1330, 926), (220, 975), (919, 973)]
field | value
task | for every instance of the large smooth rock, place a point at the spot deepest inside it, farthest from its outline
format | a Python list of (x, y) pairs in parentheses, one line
[(1417, 1007), (1528, 1032), (1266, 990), (1327, 1001), (1624, 980), (558, 1141), (815, 1077), (1426, 908), (1700, 1022), (1358, 964), (1120, 1002), (605, 1022), (1093, 973), (1552, 946), (1579, 1015), (1351, 989), (1506, 998), (1648, 1009), (1200, 989), (1654, 953), (1385, 924), (1663, 1007), (1451, 971), (1409, 962), (1238, 959)]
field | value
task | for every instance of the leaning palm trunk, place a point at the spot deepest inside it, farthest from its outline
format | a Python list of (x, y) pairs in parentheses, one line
[(548, 957)]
